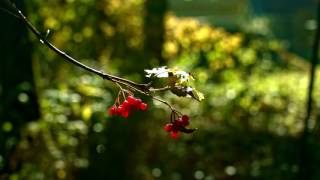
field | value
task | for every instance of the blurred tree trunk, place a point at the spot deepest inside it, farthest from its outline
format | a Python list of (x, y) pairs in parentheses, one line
[(18, 103), (125, 148), (154, 29), (306, 163)]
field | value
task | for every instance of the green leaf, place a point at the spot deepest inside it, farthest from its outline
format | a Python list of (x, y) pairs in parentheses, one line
[(187, 91), (179, 81), (197, 95), (180, 90)]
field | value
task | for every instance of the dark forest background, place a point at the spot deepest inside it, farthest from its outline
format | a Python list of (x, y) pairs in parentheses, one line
[(251, 59)]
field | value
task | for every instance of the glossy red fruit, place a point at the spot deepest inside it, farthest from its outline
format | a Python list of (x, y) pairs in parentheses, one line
[(125, 113), (178, 122), (126, 104), (112, 110), (168, 127), (138, 101), (136, 104), (143, 106), (174, 134), (131, 100), (185, 120), (120, 109)]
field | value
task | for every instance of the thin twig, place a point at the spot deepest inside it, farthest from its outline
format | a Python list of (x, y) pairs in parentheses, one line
[(141, 88), (74, 61), (155, 98), (121, 90), (164, 102), (160, 89)]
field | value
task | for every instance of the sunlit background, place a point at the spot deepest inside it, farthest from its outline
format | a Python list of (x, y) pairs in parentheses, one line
[(250, 58)]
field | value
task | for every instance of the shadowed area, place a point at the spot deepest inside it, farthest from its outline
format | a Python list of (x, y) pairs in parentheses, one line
[(250, 59)]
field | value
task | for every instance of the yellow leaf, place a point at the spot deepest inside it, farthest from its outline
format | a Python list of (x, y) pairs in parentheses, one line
[(86, 112)]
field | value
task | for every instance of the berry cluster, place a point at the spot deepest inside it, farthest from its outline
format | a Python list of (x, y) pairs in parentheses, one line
[(178, 125), (127, 106)]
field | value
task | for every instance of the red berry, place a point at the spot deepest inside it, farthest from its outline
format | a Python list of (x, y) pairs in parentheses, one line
[(131, 100), (185, 120), (112, 110), (168, 127), (136, 104), (126, 104), (143, 106), (138, 101), (174, 134), (120, 109), (178, 122), (125, 113)]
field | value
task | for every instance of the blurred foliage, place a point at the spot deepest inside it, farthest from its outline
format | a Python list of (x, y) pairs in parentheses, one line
[(243, 73), (248, 124)]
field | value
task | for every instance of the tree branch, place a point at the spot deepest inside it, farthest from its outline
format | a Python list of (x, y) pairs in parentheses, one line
[(160, 89), (143, 87)]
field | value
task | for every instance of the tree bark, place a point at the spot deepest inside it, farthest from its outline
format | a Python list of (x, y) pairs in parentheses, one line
[(125, 146), (306, 169), (154, 29), (18, 103)]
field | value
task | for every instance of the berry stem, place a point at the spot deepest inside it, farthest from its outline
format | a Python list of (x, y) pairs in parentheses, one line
[(121, 90), (153, 97), (166, 88)]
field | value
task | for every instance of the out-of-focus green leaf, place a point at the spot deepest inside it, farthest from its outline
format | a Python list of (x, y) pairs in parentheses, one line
[(187, 91), (197, 95), (180, 90), (86, 112)]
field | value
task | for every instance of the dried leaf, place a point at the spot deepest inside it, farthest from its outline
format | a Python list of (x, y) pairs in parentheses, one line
[(180, 82), (197, 95)]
